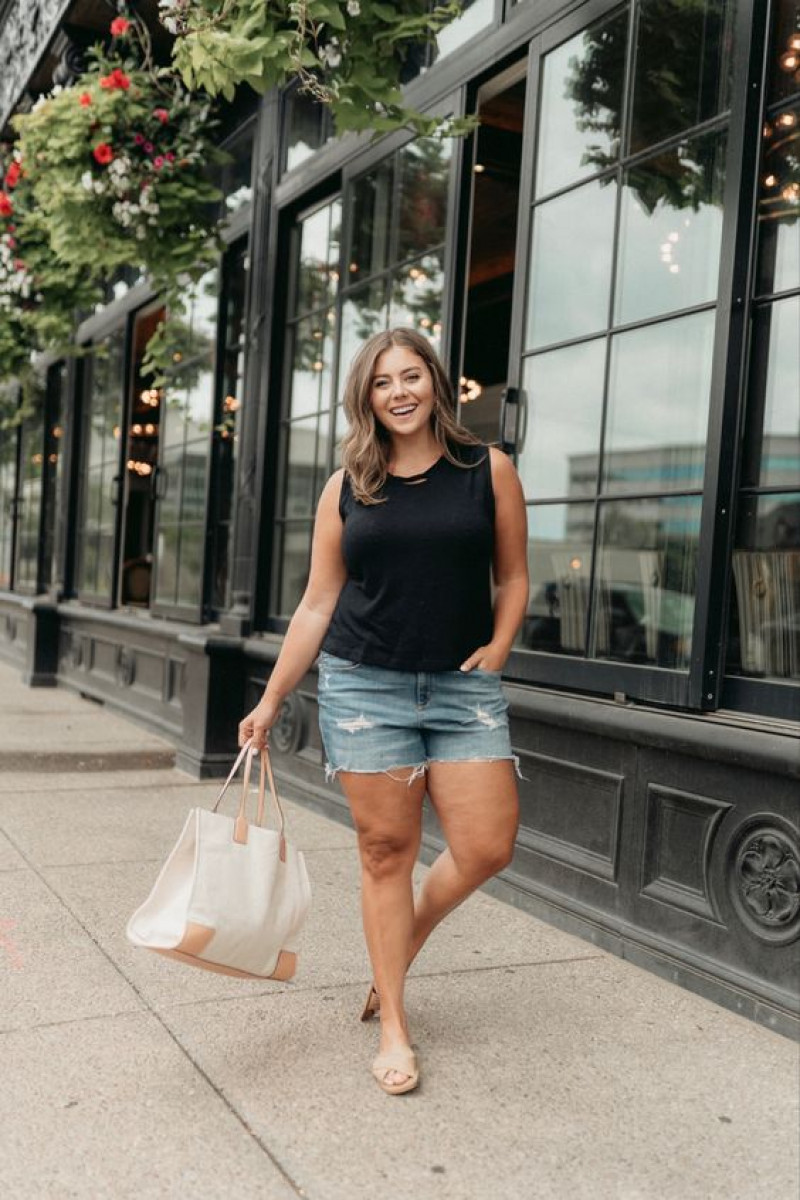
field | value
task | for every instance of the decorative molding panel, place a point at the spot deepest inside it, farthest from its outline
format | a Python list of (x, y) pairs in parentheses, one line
[(679, 833), (568, 801), (26, 29)]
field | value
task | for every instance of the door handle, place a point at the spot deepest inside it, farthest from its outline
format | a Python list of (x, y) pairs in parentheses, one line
[(113, 495), (160, 483), (509, 419)]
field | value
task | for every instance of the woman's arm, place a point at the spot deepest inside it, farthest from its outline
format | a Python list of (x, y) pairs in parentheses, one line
[(311, 619), (509, 566)]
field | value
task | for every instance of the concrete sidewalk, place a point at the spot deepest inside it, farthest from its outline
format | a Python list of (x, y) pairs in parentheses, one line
[(550, 1069)]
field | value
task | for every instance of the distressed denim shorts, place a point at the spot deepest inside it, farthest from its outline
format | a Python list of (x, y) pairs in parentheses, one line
[(376, 719)]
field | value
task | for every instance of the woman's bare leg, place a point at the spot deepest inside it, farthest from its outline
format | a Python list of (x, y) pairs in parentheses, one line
[(477, 804), (387, 812)]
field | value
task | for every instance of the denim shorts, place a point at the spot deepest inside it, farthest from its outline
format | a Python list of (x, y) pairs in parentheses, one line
[(376, 719)]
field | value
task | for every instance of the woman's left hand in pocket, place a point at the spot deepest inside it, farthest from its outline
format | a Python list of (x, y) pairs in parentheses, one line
[(485, 658)]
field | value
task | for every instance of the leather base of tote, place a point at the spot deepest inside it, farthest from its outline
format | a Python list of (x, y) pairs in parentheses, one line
[(198, 936), (232, 896)]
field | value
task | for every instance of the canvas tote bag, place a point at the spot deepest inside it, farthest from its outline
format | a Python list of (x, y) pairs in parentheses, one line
[(232, 896)]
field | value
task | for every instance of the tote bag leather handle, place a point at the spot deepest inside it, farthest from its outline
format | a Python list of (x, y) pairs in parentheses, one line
[(247, 751)]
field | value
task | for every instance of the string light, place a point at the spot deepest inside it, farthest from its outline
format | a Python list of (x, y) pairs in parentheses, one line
[(137, 467)]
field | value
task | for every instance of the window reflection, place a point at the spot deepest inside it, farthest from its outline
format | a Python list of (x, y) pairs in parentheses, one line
[(311, 342), (659, 383), (581, 105), (371, 209), (364, 312), (684, 61), (100, 466), (670, 230), (311, 364), (765, 603), (318, 273), (8, 473), (784, 60), (475, 15), (645, 580), (423, 169), (571, 256), (236, 182), (772, 443), (301, 459), (416, 296), (559, 451), (29, 497), (308, 128), (559, 561), (779, 203), (295, 556)]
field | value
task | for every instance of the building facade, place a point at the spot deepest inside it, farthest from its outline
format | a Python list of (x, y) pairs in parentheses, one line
[(610, 266)]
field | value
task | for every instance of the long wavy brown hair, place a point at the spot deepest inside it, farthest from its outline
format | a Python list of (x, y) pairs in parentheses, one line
[(366, 444)]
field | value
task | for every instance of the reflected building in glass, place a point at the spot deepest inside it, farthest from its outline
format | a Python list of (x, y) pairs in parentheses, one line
[(609, 266)]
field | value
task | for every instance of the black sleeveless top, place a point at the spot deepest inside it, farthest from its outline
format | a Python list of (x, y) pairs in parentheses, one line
[(418, 591)]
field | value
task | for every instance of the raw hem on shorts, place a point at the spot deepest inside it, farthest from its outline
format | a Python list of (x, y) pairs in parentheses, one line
[(419, 769)]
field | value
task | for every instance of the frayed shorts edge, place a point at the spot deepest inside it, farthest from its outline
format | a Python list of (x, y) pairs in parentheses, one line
[(419, 769)]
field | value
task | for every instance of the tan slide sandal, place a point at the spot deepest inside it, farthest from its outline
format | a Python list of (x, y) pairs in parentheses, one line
[(373, 1005), (404, 1061)]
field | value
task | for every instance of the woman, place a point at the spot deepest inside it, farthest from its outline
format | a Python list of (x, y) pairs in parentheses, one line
[(399, 598)]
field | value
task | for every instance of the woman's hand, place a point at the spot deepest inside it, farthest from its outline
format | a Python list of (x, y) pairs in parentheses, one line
[(488, 658), (257, 723)]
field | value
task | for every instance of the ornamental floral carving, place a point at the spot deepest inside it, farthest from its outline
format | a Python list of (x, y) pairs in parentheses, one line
[(765, 881)]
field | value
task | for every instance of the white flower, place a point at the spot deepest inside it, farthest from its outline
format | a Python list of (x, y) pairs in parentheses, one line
[(99, 187), (56, 89), (331, 54), (353, 8), (141, 232), (87, 181)]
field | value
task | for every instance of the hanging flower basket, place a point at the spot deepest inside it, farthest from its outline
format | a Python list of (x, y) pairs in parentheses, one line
[(349, 54), (39, 295), (120, 168)]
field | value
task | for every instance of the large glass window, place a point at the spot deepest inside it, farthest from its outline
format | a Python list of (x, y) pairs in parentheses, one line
[(8, 494), (764, 638), (624, 256), (29, 498), (308, 411), (186, 421), (228, 417), (395, 267), (100, 467), (53, 467)]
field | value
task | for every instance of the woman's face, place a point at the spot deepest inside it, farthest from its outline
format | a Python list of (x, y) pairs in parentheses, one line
[(402, 392)]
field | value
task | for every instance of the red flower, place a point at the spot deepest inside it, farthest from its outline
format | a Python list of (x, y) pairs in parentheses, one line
[(161, 114), (19, 265), (6, 207), (13, 174), (117, 79), (85, 99), (103, 153), (119, 27), (158, 162)]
